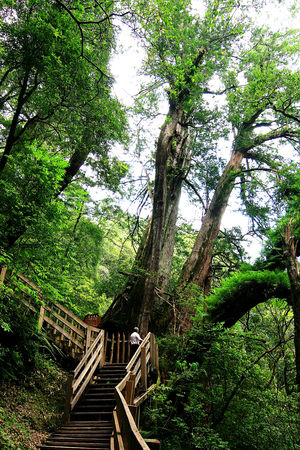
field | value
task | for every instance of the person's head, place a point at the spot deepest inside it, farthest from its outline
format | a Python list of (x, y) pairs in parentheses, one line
[(136, 329)]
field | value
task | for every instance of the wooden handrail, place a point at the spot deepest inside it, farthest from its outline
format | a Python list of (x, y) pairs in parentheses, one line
[(131, 436), (86, 368), (128, 435), (69, 331)]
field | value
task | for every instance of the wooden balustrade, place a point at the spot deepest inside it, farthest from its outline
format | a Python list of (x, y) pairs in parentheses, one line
[(126, 415), (68, 331), (117, 348), (83, 373)]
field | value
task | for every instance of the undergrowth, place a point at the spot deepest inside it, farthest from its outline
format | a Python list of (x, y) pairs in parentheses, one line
[(31, 409)]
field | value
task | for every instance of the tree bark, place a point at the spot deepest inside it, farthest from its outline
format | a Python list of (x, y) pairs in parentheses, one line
[(15, 120), (135, 305), (290, 256), (197, 266)]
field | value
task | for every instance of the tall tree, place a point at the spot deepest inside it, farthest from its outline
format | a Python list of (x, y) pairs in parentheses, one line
[(56, 99), (183, 53), (261, 109), (261, 95)]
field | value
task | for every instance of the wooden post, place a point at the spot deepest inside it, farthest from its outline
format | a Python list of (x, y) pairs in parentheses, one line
[(41, 317), (105, 345), (103, 349), (87, 338), (112, 348), (129, 390), (156, 357), (152, 351), (143, 368), (2, 274), (123, 348), (128, 349), (118, 349), (69, 392), (134, 412)]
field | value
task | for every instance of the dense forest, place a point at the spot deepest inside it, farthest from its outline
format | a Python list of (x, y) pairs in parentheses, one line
[(96, 199)]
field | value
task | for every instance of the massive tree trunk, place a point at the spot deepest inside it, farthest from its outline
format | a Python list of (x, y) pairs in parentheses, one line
[(196, 267), (289, 251), (153, 265)]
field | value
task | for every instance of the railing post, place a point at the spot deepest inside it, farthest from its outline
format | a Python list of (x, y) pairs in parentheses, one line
[(69, 392), (41, 317), (88, 338), (2, 274), (102, 359), (152, 351), (143, 368), (129, 390), (123, 348), (128, 348), (118, 349), (112, 348), (105, 345)]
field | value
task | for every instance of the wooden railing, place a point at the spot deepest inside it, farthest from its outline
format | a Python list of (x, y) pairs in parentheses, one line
[(67, 329), (78, 381), (69, 332), (117, 348), (126, 435)]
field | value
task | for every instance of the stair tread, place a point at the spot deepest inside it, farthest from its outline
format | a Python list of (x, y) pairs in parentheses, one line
[(72, 447), (81, 435), (91, 422), (83, 413), (99, 400), (84, 439)]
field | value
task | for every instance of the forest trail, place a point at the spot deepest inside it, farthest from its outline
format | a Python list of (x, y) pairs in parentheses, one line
[(105, 391)]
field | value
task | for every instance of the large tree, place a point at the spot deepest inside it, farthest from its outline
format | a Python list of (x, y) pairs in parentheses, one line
[(185, 52), (261, 109), (57, 110)]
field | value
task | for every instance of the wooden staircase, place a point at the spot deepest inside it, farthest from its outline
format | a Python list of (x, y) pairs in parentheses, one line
[(90, 425), (104, 392)]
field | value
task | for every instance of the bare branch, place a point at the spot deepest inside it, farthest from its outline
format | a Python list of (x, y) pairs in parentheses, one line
[(196, 192)]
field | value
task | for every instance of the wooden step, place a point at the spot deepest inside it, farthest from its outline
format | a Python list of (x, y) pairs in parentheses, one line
[(91, 423), (91, 420), (77, 439), (52, 446), (92, 414), (100, 400), (100, 395), (95, 435)]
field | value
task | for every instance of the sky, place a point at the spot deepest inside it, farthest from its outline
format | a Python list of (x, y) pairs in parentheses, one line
[(125, 66)]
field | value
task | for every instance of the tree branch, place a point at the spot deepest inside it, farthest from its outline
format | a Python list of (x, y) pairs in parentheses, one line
[(79, 25), (196, 192)]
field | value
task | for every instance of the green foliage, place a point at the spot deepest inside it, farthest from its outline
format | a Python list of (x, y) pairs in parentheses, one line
[(21, 344), (57, 111), (242, 282), (228, 389), (119, 248)]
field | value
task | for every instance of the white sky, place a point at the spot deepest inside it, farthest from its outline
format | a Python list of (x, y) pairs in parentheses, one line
[(125, 65)]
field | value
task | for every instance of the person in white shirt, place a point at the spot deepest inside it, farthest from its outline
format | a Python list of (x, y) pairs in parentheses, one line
[(135, 340)]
